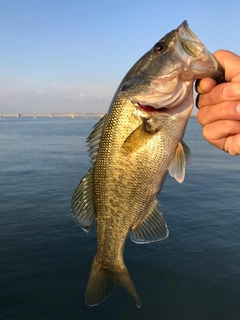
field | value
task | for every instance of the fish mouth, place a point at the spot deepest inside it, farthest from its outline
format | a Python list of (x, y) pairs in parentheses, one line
[(197, 60), (186, 59), (186, 33), (149, 108)]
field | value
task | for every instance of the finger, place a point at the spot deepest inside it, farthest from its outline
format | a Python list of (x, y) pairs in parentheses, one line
[(224, 134), (223, 111), (231, 63), (225, 91), (204, 85), (232, 145)]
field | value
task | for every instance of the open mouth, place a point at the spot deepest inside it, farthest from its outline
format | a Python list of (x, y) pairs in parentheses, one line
[(185, 32), (148, 108)]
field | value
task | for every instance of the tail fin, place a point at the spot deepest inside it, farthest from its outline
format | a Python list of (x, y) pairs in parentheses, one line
[(101, 282)]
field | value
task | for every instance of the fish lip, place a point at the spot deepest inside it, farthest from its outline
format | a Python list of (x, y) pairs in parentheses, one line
[(150, 109), (186, 33), (212, 68), (154, 111)]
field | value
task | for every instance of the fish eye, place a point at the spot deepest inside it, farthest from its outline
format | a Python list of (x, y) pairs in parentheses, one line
[(159, 47)]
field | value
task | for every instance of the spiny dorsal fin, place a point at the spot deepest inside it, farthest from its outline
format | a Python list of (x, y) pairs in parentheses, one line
[(181, 158), (82, 204), (152, 228), (94, 138)]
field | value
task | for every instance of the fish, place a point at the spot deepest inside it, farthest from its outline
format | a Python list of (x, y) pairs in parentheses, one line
[(133, 148)]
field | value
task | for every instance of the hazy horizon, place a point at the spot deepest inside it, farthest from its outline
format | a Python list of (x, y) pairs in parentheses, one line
[(59, 56)]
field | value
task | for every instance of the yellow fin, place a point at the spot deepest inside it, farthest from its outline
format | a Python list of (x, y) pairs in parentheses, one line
[(136, 139), (181, 158)]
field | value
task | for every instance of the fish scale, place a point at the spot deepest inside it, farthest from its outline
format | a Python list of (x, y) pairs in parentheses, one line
[(133, 148)]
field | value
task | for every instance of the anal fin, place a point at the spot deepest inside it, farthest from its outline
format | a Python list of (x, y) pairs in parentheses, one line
[(152, 228)]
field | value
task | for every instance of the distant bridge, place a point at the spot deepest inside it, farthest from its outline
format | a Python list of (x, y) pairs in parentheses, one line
[(52, 115)]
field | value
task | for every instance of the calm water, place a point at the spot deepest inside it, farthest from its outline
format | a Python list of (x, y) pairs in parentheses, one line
[(45, 257)]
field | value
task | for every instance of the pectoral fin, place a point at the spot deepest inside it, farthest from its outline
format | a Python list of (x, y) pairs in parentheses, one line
[(82, 204), (136, 139), (181, 158), (152, 228), (187, 152)]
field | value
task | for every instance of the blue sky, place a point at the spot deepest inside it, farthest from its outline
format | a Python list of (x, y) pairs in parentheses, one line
[(70, 56)]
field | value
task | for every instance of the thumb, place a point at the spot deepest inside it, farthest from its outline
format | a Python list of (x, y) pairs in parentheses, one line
[(231, 63)]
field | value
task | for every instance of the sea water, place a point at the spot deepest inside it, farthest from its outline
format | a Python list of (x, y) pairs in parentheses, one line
[(45, 257)]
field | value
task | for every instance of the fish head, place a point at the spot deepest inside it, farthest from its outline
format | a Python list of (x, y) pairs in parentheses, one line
[(197, 62), (163, 77)]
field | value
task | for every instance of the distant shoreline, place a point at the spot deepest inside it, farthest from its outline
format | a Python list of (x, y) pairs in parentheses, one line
[(52, 115), (82, 115)]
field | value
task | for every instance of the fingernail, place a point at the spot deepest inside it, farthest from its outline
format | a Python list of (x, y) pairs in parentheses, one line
[(238, 108), (197, 84), (197, 100)]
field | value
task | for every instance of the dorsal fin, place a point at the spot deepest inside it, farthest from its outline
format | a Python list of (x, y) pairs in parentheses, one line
[(181, 158), (94, 138), (82, 204), (152, 228)]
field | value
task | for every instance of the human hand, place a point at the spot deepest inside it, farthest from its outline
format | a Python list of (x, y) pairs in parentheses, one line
[(219, 105)]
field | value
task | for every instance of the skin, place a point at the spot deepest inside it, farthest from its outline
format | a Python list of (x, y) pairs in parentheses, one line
[(219, 105)]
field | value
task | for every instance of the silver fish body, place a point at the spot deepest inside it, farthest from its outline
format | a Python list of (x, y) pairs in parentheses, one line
[(133, 147)]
